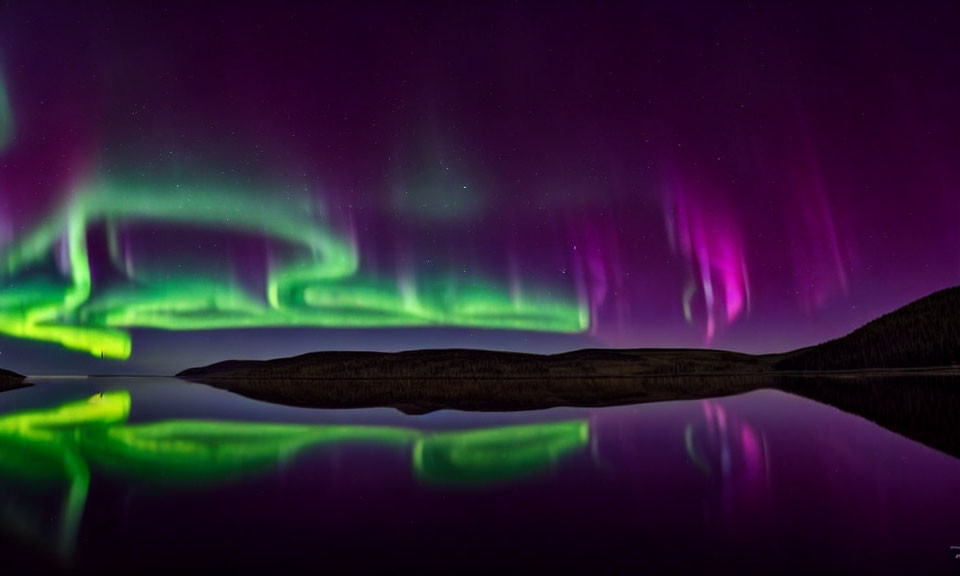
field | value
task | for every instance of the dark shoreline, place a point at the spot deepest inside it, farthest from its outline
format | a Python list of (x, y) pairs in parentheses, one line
[(427, 393), (8, 385), (422, 395), (922, 334), (12, 381)]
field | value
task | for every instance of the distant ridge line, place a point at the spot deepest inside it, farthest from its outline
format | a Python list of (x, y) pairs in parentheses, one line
[(924, 334)]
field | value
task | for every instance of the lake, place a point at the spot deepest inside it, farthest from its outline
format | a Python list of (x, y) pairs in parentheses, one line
[(128, 475)]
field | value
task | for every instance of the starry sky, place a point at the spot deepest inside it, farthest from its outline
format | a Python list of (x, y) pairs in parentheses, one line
[(186, 182)]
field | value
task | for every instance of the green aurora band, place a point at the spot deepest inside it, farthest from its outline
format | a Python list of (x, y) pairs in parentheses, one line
[(315, 282), (6, 117), (58, 446)]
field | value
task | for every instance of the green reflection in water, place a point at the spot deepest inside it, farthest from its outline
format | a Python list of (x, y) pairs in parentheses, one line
[(58, 446), (482, 456), (40, 447), (194, 451)]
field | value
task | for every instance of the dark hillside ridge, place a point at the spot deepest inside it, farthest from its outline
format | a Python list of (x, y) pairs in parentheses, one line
[(480, 364), (924, 333), (11, 380)]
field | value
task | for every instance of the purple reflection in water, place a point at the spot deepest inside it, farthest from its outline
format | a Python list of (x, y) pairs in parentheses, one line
[(765, 482)]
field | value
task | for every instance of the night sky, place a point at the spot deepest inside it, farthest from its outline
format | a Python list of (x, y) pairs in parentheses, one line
[(184, 182)]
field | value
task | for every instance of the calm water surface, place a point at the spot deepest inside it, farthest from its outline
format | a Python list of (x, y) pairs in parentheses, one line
[(124, 475)]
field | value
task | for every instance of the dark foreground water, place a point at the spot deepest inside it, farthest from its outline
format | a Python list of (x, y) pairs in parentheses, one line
[(126, 475)]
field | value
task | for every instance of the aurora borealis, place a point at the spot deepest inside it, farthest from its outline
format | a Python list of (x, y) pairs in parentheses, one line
[(181, 184), (318, 290)]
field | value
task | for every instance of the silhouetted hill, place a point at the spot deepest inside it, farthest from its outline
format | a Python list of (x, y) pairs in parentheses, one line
[(924, 333), (424, 380), (10, 380), (474, 364)]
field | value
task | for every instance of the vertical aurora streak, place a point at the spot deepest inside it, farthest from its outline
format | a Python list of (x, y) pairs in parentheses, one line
[(6, 116), (710, 243)]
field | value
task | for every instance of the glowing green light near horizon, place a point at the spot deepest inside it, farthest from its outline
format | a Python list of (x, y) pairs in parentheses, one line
[(314, 282), (58, 446)]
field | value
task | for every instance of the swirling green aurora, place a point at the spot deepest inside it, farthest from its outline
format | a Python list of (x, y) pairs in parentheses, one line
[(314, 277)]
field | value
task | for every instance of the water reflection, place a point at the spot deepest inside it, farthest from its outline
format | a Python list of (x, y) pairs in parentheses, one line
[(761, 483), (731, 447), (56, 448), (732, 454), (475, 457)]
